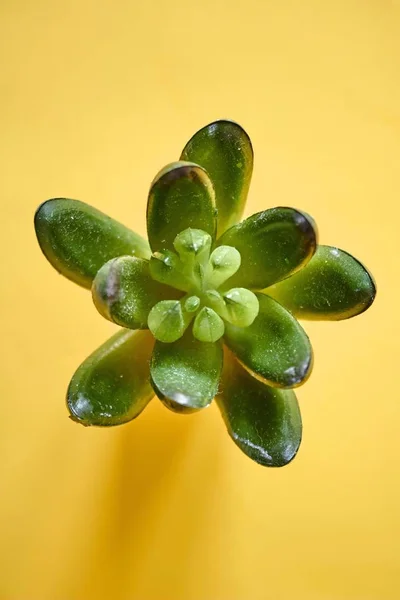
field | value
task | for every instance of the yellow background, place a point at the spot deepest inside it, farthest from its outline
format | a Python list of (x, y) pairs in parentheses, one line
[(95, 97)]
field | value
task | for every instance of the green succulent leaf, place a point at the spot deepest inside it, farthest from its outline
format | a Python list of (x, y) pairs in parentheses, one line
[(264, 422), (124, 292), (332, 286), (112, 386), (77, 239), (274, 348), (273, 244), (224, 149), (186, 373), (181, 196)]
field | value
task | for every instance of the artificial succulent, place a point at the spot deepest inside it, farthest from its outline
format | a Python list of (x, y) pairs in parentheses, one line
[(209, 305)]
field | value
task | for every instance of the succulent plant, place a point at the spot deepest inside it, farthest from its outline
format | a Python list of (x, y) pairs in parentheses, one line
[(209, 305)]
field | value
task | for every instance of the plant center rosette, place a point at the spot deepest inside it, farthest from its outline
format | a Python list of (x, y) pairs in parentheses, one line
[(209, 305)]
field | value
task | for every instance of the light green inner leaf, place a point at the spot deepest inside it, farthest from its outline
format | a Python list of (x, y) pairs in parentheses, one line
[(168, 320), (208, 325)]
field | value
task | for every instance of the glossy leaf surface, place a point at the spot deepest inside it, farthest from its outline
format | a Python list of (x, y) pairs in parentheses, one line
[(124, 292), (273, 244), (224, 149), (186, 373), (181, 196), (77, 239), (112, 386), (275, 348), (264, 422), (333, 285)]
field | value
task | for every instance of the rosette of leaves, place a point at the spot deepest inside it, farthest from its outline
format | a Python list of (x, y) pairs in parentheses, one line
[(209, 304)]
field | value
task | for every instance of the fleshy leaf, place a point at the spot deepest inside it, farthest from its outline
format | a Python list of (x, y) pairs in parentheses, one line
[(124, 292), (274, 348), (273, 244), (78, 239), (224, 149), (332, 286), (264, 422), (186, 373), (180, 196), (112, 386)]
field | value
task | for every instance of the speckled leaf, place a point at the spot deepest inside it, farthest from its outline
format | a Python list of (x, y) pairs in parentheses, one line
[(186, 373), (224, 149), (275, 348), (273, 244), (333, 286), (264, 422), (112, 386), (78, 239), (124, 293), (181, 196)]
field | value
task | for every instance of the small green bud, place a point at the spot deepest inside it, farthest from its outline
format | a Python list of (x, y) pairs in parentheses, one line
[(208, 326), (167, 321), (241, 307), (225, 261), (193, 243), (192, 304)]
